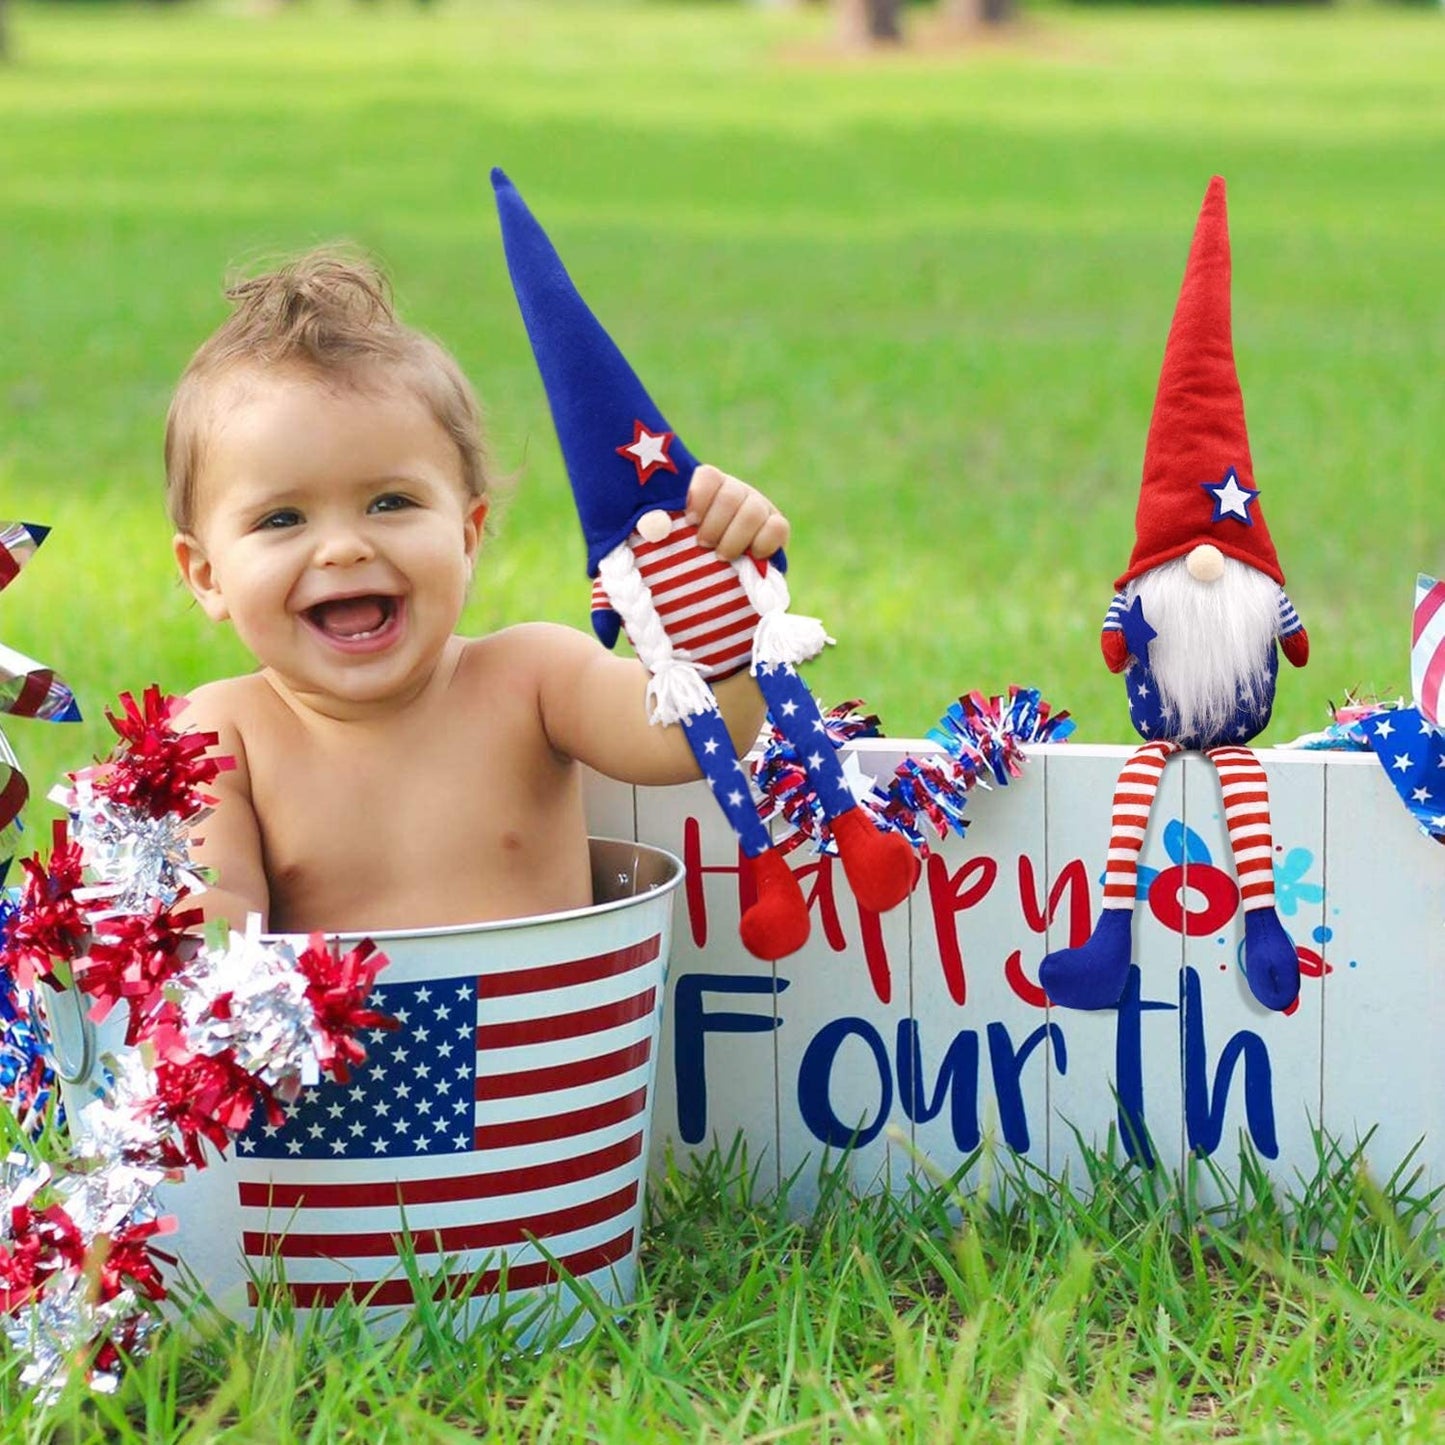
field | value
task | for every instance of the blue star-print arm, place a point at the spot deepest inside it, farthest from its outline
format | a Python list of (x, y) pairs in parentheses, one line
[(1137, 632)]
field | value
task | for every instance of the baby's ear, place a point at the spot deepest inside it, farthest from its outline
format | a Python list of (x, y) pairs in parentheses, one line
[(199, 576), (475, 525)]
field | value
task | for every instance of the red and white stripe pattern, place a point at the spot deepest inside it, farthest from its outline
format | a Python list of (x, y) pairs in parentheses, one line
[(1133, 798), (704, 609), (508, 1108), (1427, 650), (1246, 815)]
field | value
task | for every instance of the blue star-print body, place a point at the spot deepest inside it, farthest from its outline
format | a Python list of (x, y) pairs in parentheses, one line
[(1146, 705)]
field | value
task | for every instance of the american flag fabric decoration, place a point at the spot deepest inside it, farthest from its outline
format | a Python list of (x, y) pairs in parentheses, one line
[(1410, 741), (1427, 649), (510, 1107)]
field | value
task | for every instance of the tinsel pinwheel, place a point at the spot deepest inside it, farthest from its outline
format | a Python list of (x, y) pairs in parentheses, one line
[(28, 689), (980, 740), (215, 1032)]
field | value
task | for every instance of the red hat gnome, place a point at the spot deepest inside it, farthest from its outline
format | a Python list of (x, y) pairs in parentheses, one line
[(1194, 628), (691, 616)]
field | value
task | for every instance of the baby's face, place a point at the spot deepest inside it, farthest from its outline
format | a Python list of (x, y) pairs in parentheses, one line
[(334, 531)]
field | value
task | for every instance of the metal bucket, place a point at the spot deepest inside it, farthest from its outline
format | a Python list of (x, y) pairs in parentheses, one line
[(500, 1132)]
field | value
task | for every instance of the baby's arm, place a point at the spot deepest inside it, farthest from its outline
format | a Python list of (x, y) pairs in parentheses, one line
[(594, 705), (228, 841), (594, 709)]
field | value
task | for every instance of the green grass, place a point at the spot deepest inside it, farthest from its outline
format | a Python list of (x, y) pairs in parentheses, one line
[(1117, 1309), (921, 301)]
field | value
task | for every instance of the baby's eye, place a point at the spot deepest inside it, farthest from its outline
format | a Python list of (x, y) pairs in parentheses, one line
[(281, 517), (391, 502)]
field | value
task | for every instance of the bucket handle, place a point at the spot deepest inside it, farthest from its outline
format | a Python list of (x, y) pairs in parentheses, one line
[(73, 1039)]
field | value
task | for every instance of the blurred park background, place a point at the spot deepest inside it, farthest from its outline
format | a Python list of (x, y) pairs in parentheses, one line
[(917, 291)]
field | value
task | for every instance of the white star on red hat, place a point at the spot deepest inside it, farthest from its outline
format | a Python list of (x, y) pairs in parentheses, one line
[(647, 451), (1231, 498)]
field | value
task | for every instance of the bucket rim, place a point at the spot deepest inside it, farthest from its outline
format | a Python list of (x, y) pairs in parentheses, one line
[(381, 936)]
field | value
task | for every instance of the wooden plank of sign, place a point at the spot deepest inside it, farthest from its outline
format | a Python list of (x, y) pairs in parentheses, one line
[(1384, 1067), (718, 1066), (1122, 1085), (975, 1056), (842, 996), (1252, 1076)]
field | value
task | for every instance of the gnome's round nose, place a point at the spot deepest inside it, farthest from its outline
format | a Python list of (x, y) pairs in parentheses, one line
[(1205, 563)]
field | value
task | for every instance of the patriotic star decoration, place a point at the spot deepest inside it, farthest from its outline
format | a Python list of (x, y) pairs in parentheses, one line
[(647, 451), (1231, 498), (1412, 759)]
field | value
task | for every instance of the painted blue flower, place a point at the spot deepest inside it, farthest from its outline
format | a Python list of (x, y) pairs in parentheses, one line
[(1290, 889)]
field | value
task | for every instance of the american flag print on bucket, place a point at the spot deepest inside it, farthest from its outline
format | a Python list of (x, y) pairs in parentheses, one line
[(502, 1126), (508, 1107)]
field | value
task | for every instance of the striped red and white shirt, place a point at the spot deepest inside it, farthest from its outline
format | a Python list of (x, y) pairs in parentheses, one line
[(703, 606)]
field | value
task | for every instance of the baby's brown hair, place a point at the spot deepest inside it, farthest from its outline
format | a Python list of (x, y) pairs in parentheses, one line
[(330, 315)]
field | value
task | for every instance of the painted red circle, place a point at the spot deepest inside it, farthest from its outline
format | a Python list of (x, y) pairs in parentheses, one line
[(1167, 899)]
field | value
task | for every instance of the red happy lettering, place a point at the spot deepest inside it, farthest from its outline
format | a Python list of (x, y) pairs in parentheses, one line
[(1073, 882), (950, 894), (695, 871)]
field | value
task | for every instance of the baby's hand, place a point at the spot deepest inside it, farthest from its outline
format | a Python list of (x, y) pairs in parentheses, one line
[(732, 517)]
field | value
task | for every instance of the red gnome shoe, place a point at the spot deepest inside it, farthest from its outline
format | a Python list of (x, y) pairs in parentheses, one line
[(880, 867), (777, 924)]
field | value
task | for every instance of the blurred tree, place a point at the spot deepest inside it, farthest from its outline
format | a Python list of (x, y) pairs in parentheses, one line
[(961, 16), (869, 22)]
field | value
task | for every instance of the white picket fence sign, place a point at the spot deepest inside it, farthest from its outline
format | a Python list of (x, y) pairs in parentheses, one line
[(927, 1024)]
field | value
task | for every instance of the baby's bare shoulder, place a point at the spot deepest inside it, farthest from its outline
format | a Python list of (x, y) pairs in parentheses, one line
[(225, 705), (534, 651), (239, 711)]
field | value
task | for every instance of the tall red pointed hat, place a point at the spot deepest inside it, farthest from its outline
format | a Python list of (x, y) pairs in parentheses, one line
[(1198, 477)]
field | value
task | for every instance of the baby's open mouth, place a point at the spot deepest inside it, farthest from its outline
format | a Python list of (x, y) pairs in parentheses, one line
[(352, 619)]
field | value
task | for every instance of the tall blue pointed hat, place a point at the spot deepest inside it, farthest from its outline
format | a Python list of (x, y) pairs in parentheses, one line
[(622, 457)]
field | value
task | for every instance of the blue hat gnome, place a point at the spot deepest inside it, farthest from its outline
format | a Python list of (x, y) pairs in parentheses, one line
[(690, 616), (1194, 627)]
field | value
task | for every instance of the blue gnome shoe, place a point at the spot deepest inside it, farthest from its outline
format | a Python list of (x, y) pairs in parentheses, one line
[(1271, 964), (1094, 974)]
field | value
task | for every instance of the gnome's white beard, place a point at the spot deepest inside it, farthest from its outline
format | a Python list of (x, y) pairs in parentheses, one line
[(1213, 645)]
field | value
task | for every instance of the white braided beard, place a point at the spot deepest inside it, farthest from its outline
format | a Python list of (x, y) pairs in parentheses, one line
[(1214, 642)]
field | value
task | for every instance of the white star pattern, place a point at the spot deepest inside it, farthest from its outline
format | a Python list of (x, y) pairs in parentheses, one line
[(1231, 499), (1402, 762), (710, 746), (647, 451), (1421, 795), (1384, 728), (789, 708), (393, 1106)]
